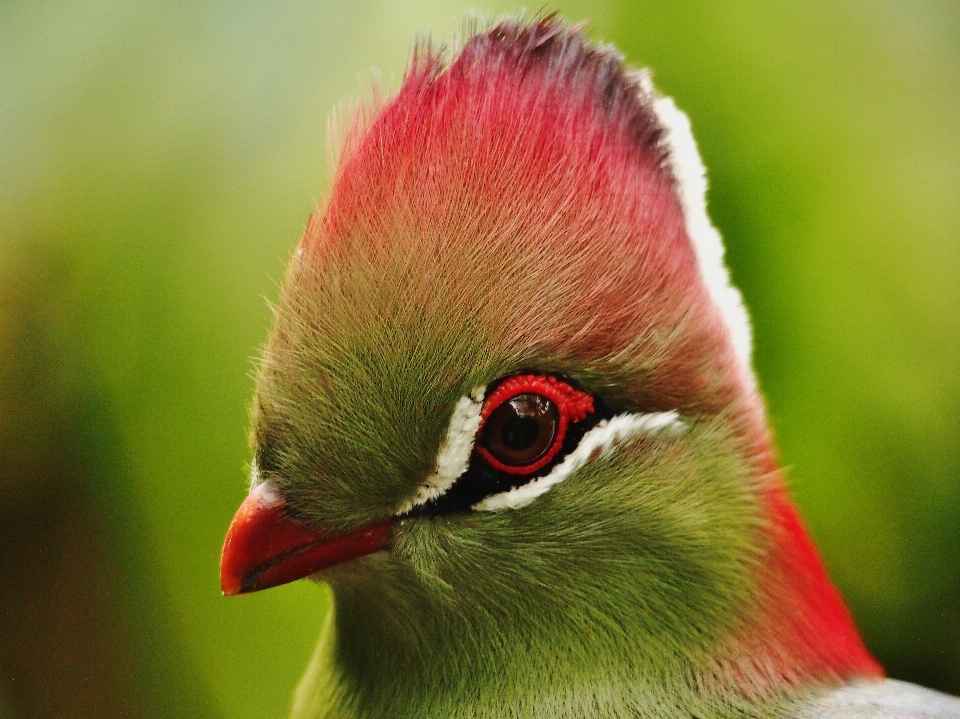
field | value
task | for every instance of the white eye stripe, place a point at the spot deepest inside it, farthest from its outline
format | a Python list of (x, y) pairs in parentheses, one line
[(598, 441), (454, 455)]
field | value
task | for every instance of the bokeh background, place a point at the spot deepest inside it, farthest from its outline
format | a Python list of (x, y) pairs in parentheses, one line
[(158, 162)]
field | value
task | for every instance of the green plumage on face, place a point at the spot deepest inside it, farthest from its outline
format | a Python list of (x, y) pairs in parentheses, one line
[(630, 569), (507, 414)]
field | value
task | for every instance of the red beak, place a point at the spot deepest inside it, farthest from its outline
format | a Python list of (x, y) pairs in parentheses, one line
[(264, 548)]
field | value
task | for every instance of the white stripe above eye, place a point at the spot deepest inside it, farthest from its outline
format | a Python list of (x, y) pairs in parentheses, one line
[(596, 443), (454, 455)]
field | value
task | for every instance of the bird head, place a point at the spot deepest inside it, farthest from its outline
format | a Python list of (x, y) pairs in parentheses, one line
[(507, 411)]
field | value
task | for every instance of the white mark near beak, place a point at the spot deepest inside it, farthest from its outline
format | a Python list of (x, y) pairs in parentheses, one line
[(254, 474)]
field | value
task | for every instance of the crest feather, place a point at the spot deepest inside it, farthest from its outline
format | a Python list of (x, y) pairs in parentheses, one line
[(535, 164)]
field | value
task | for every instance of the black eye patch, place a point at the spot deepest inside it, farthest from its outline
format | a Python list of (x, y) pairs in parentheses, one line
[(524, 429)]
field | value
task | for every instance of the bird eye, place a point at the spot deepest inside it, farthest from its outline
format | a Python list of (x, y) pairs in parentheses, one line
[(521, 430), (524, 421)]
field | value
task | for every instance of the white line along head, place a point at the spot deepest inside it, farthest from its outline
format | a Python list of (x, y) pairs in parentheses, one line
[(690, 176)]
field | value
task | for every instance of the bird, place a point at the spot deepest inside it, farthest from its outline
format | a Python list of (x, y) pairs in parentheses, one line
[(507, 414)]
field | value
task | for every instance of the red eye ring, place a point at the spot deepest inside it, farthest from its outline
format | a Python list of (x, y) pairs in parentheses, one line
[(573, 405)]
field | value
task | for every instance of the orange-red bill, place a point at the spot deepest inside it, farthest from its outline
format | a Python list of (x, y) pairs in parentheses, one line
[(264, 548)]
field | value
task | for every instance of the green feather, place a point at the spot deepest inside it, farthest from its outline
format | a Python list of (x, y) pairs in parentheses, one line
[(628, 576)]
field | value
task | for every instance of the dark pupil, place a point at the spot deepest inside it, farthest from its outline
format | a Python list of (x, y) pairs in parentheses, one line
[(522, 429), (520, 433)]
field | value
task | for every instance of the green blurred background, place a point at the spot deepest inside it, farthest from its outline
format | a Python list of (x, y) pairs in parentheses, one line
[(158, 162)]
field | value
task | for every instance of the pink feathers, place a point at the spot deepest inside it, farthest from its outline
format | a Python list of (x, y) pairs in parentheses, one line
[(533, 168)]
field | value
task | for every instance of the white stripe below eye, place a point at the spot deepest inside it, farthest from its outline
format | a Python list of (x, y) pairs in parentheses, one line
[(596, 443), (454, 456)]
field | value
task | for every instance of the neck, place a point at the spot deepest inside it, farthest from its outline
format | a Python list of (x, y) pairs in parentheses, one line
[(802, 631)]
